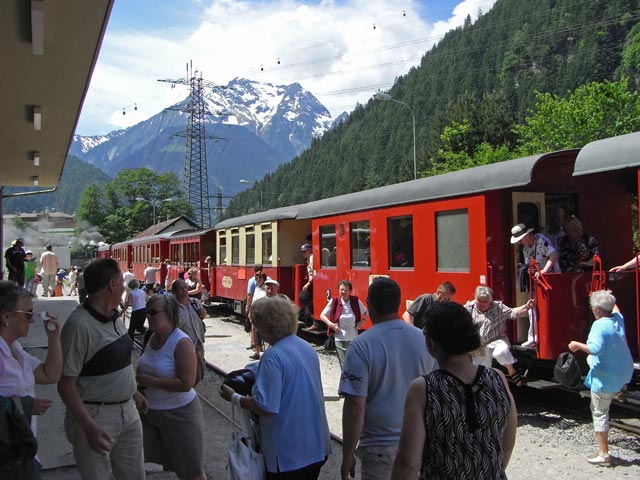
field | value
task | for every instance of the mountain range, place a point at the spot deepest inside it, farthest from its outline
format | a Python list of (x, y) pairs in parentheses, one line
[(252, 128)]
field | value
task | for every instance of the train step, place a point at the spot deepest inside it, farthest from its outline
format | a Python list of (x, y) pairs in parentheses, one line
[(542, 384)]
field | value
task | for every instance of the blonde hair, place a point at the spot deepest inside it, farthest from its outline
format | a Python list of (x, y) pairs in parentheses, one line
[(575, 224), (274, 317)]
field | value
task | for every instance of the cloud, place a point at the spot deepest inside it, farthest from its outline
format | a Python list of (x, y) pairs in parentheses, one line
[(331, 48)]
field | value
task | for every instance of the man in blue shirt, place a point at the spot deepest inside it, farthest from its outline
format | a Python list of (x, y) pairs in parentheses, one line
[(378, 368)]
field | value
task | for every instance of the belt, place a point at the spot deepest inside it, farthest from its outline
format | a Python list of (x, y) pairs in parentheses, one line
[(107, 403)]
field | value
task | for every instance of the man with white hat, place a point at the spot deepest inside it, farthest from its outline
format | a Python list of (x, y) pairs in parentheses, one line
[(536, 245), (540, 248)]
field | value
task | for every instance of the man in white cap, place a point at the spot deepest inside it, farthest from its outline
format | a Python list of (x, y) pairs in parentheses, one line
[(272, 287), (540, 248)]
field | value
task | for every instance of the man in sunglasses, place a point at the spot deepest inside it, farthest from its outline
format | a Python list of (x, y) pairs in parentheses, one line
[(98, 384)]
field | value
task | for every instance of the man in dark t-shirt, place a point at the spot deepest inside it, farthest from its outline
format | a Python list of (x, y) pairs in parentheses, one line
[(15, 256), (421, 305)]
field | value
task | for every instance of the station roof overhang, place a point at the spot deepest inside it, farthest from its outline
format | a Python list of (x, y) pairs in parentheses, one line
[(48, 50)]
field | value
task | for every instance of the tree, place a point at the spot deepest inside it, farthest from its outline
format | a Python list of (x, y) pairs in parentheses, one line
[(116, 211), (593, 111)]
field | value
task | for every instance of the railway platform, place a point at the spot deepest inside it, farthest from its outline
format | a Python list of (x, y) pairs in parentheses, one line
[(537, 451)]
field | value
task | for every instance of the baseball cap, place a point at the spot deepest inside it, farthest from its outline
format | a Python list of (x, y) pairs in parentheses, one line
[(305, 247)]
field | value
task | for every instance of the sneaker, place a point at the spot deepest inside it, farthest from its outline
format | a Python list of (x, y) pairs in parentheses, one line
[(529, 344), (601, 460)]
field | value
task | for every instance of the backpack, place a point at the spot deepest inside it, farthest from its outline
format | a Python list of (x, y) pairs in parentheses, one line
[(567, 371)]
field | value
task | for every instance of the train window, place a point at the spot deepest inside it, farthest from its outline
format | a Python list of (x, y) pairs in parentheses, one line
[(452, 241), (400, 238), (235, 247), (222, 249), (250, 253), (328, 246), (267, 247), (360, 248)]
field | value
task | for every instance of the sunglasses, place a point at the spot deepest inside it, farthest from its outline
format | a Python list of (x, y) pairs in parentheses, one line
[(29, 315)]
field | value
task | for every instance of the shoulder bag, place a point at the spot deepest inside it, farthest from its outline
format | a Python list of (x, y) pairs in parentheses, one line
[(244, 461)]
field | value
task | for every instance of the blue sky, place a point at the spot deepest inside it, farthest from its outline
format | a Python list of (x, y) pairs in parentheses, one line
[(329, 46)]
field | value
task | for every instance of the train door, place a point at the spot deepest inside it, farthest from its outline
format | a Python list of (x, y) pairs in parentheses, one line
[(527, 208)]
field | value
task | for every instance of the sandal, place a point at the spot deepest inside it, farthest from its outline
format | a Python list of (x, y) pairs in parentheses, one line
[(516, 378)]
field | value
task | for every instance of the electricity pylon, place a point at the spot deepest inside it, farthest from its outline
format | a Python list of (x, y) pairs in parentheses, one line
[(195, 178)]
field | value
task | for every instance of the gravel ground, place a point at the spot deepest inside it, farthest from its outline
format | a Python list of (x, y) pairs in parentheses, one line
[(548, 445)]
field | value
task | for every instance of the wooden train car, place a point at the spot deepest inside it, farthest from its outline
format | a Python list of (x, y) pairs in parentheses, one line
[(270, 238)]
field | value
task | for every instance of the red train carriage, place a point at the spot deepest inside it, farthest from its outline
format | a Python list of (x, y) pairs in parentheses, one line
[(150, 250), (456, 227), (122, 253), (272, 238), (186, 250)]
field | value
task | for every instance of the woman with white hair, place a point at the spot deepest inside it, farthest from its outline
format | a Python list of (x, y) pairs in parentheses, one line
[(611, 366), (295, 441), (491, 318)]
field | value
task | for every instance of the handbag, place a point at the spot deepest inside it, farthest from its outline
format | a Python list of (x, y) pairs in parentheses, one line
[(567, 371), (244, 462), (330, 343)]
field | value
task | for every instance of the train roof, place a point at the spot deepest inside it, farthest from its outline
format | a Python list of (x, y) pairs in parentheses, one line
[(189, 233), (282, 213), (507, 174), (609, 154)]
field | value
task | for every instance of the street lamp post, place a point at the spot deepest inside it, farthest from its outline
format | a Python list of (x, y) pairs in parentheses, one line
[(383, 97), (242, 180), (154, 204)]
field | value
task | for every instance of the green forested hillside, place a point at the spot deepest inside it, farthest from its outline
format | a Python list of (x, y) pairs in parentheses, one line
[(76, 176), (480, 81)]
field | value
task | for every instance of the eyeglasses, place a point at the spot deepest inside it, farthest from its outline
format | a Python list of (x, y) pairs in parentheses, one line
[(153, 312), (29, 315)]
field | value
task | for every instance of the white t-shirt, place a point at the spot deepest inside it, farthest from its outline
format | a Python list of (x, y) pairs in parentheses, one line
[(128, 276), (150, 275), (347, 319)]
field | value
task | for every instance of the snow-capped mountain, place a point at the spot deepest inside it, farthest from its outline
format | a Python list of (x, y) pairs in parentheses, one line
[(259, 126), (82, 145)]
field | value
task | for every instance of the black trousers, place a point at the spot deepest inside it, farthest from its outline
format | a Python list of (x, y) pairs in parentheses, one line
[(137, 321), (310, 472)]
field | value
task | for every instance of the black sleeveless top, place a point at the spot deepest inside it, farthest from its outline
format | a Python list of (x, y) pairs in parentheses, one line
[(465, 425)]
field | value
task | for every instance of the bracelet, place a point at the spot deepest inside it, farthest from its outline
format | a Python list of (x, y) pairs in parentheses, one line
[(235, 399)]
